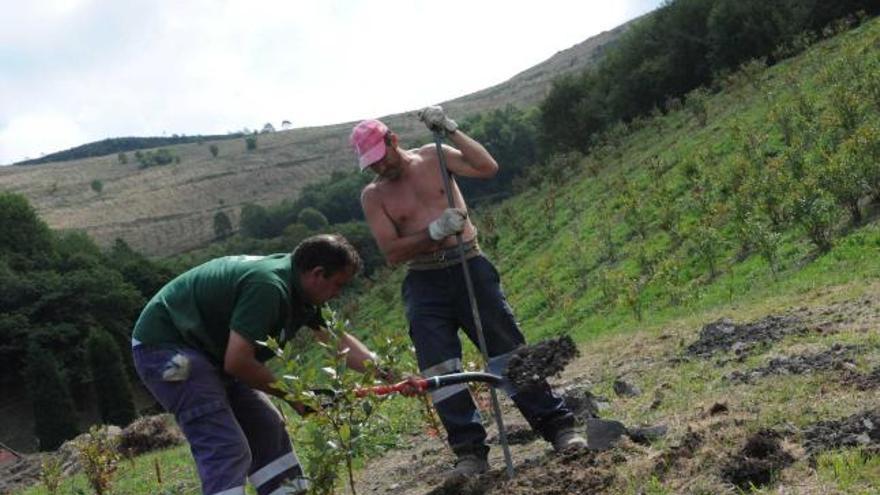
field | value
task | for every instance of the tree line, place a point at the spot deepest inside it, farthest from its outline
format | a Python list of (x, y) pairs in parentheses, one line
[(683, 45), (66, 311)]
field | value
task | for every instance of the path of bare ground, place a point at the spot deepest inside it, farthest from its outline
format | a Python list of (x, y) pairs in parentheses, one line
[(711, 444)]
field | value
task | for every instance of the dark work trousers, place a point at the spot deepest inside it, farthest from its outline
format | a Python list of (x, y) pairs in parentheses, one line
[(437, 306), (234, 432)]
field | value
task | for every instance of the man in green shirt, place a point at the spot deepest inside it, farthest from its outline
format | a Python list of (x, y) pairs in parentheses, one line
[(195, 348)]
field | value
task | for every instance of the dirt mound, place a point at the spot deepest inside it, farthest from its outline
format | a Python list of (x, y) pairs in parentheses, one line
[(583, 403), (578, 472), (533, 364), (862, 381), (838, 357), (758, 462), (725, 335), (859, 430), (149, 433), (684, 450)]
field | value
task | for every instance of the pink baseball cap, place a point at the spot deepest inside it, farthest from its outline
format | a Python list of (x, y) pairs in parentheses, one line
[(368, 140)]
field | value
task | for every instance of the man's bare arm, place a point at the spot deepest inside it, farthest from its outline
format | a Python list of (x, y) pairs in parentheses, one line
[(396, 248), (469, 158), (240, 361)]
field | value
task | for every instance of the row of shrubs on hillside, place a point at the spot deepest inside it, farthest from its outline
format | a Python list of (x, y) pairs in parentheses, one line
[(806, 170), (66, 312), (681, 46)]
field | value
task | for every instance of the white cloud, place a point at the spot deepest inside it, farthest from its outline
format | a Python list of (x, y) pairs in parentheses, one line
[(103, 68)]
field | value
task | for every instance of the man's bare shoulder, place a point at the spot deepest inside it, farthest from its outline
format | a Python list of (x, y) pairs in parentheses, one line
[(369, 192)]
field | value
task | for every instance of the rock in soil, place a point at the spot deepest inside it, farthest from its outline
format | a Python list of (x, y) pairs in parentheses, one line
[(724, 334), (859, 430), (532, 365), (759, 461), (837, 357)]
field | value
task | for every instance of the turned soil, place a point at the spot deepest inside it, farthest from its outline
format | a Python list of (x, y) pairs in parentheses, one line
[(714, 445)]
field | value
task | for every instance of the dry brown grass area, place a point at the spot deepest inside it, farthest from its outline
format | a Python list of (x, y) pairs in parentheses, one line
[(170, 209)]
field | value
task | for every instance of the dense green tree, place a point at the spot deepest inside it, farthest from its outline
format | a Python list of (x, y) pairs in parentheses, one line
[(222, 225), (312, 218), (255, 221), (54, 414), (109, 379), (145, 275), (24, 238)]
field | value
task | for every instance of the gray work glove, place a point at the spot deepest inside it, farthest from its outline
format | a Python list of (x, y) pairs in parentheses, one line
[(451, 222), (436, 120)]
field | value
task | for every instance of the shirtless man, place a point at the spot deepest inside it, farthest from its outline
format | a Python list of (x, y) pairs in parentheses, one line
[(408, 214)]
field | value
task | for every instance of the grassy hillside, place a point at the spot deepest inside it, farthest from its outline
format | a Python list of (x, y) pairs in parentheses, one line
[(169, 209)]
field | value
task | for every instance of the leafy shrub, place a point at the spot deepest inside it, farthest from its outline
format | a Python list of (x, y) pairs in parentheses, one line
[(99, 458), (122, 158), (312, 218), (250, 143), (97, 186), (222, 225), (155, 158), (214, 150)]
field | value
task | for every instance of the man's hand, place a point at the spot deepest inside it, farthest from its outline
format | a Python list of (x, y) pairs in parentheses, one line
[(436, 120), (451, 222)]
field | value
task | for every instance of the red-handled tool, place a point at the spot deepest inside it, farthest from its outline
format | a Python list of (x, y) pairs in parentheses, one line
[(433, 383)]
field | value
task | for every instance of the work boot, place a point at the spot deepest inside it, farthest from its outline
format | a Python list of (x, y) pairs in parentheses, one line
[(568, 439), (468, 466)]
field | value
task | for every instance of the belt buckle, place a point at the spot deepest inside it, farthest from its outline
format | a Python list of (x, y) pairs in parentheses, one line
[(440, 256)]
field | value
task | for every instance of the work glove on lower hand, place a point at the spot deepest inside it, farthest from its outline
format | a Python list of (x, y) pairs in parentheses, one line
[(436, 120), (451, 222)]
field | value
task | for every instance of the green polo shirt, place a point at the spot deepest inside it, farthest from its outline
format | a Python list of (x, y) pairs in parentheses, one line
[(257, 296)]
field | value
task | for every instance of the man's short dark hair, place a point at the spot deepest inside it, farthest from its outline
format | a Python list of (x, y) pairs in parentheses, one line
[(330, 251)]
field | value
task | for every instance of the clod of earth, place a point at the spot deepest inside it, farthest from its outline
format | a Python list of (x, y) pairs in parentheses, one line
[(647, 434), (859, 430), (759, 461), (724, 334), (531, 365), (583, 404), (684, 450), (625, 389), (837, 357), (862, 381)]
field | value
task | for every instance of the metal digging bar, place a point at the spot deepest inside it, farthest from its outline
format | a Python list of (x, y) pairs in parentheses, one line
[(496, 408)]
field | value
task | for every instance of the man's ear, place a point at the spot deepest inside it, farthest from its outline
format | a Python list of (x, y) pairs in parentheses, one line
[(319, 271)]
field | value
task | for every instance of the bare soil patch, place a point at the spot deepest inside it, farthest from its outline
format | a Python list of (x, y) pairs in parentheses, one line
[(725, 335), (758, 462), (858, 430), (838, 357), (578, 472)]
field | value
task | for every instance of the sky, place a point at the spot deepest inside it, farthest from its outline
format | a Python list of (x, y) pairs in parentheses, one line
[(77, 71)]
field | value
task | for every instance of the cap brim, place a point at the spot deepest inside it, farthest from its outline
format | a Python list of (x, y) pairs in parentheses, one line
[(372, 155)]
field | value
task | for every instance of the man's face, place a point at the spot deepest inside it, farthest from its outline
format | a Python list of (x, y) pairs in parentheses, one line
[(319, 288), (389, 166)]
